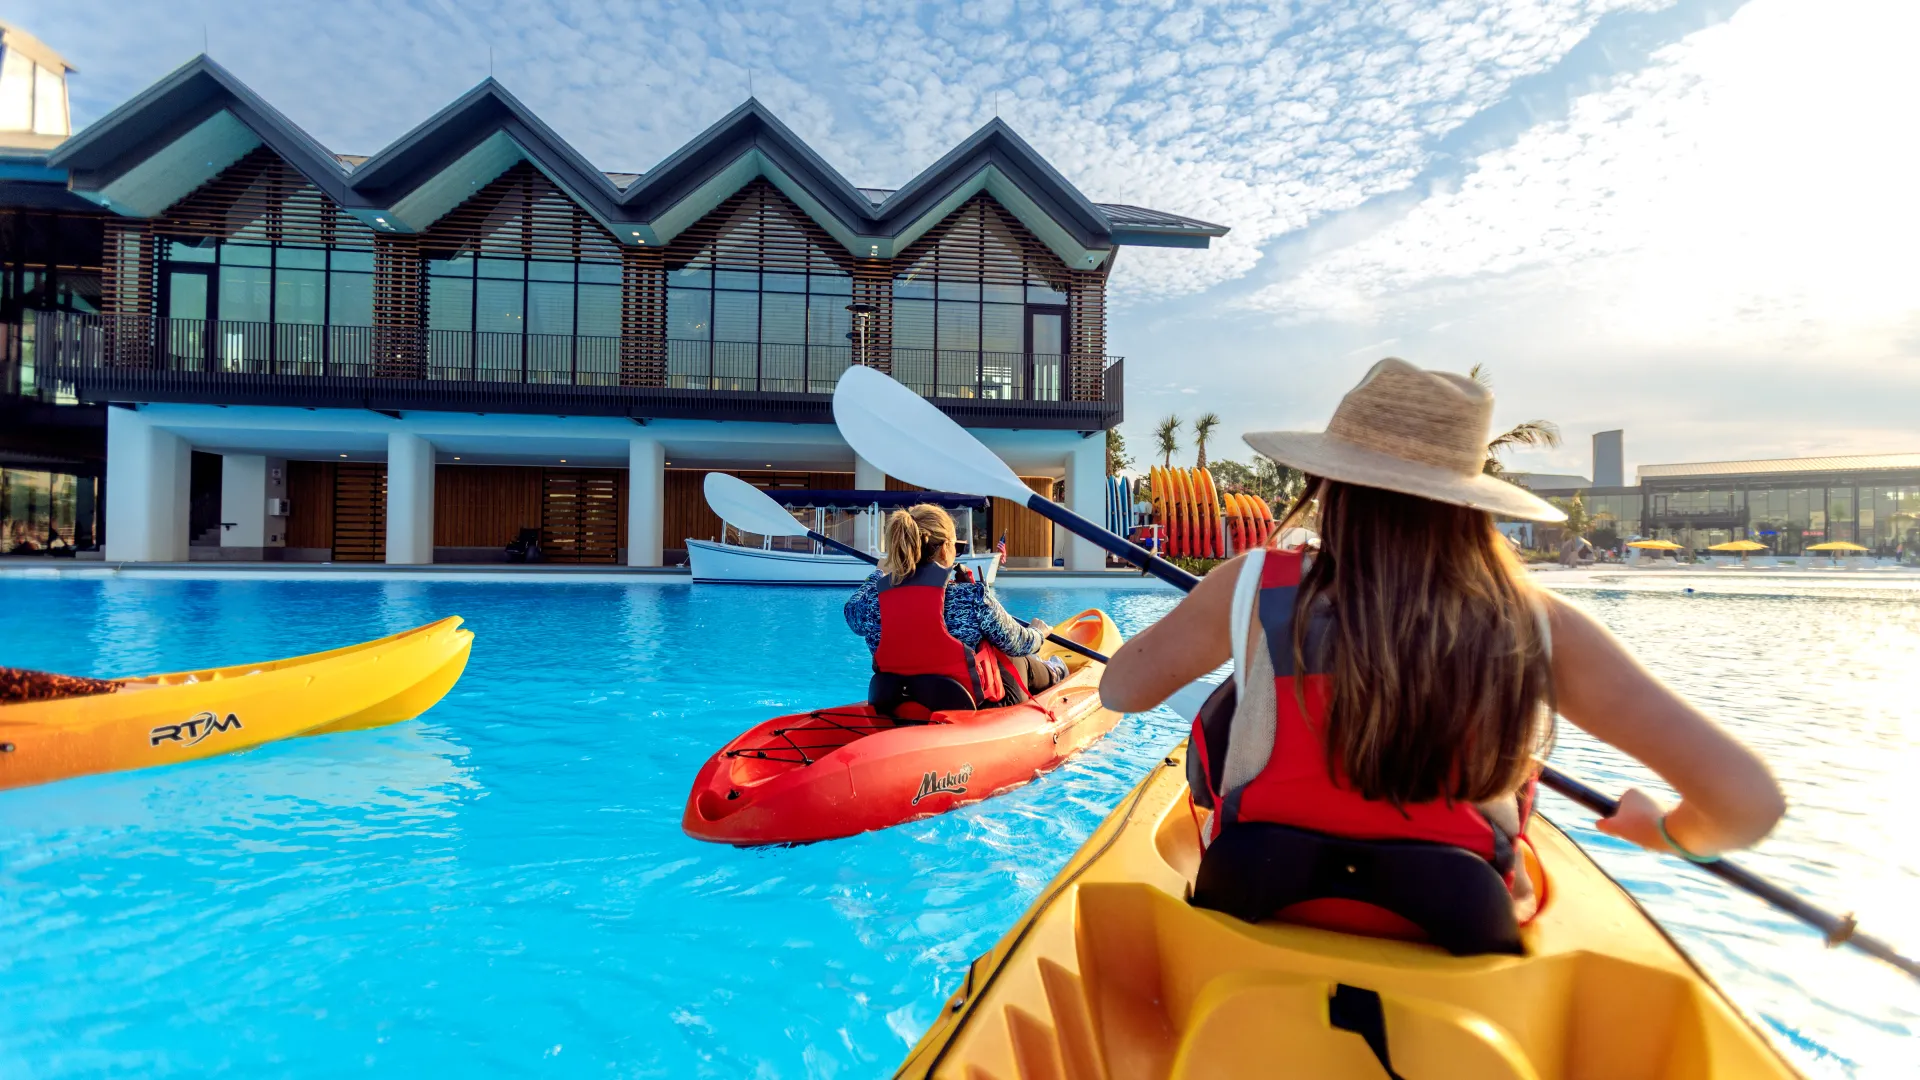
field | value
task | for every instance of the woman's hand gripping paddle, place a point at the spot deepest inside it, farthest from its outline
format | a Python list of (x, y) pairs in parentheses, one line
[(747, 508), (908, 437)]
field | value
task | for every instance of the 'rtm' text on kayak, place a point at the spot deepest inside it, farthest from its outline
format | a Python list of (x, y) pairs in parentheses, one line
[(197, 728), (953, 783)]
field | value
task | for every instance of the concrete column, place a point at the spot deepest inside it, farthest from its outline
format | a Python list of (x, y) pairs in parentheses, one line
[(646, 501), (249, 483), (147, 490), (866, 477), (1087, 496), (409, 500)]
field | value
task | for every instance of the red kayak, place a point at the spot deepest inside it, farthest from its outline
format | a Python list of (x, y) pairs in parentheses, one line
[(839, 771)]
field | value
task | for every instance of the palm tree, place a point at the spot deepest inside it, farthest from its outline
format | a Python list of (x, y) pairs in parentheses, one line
[(1202, 431), (1167, 438), (1530, 433)]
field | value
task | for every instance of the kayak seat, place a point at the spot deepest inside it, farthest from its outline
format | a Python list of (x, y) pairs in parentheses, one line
[(1259, 870), (913, 699)]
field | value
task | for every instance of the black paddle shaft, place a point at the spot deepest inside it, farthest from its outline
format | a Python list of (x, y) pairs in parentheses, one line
[(1837, 929), (1063, 642)]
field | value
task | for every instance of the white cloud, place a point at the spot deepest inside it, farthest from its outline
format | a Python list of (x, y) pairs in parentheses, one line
[(1742, 196), (1262, 116)]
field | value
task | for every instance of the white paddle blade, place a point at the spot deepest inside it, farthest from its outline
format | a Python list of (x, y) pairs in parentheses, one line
[(747, 508), (1187, 700), (908, 438)]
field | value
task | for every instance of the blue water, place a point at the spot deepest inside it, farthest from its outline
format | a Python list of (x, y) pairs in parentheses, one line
[(502, 887)]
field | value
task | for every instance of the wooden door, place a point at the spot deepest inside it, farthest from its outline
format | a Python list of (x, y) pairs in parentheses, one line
[(580, 515), (359, 512)]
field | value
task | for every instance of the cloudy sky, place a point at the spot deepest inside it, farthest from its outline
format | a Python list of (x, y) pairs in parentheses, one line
[(1694, 219)]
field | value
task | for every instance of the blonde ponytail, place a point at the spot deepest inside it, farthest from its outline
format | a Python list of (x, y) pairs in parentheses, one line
[(914, 537)]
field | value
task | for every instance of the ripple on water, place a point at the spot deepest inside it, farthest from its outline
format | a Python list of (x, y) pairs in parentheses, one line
[(503, 888)]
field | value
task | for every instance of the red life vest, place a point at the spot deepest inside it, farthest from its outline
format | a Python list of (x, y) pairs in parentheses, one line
[(914, 638), (1295, 787)]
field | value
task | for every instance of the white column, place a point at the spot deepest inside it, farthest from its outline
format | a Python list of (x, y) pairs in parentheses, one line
[(147, 490), (409, 499), (646, 501), (243, 501), (1087, 496), (866, 477)]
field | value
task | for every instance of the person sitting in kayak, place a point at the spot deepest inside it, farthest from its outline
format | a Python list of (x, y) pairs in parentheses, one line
[(940, 639), (1399, 683)]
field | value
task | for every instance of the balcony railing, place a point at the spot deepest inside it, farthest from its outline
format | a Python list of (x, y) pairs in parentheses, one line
[(225, 362)]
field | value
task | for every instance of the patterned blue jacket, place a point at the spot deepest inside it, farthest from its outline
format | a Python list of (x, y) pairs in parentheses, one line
[(973, 614)]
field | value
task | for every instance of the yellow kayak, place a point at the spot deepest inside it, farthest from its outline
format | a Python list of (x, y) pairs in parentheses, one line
[(162, 719), (1112, 974)]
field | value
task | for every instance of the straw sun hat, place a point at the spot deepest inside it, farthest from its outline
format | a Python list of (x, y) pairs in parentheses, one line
[(1412, 431)]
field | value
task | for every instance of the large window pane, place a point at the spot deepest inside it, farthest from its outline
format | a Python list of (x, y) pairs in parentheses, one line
[(599, 310), (49, 104), (459, 267), (351, 300), (736, 316), (913, 324), (959, 326), (1003, 294), (830, 284), (201, 251), (1000, 329), (783, 318), (958, 290), (694, 276), (773, 282), (245, 255), (549, 307), (300, 296), (689, 314), (550, 271), (910, 288), (353, 260), (828, 320), (449, 303), (605, 273), (736, 279), (502, 268), (16, 92), (300, 258), (244, 293), (1045, 294), (500, 307)]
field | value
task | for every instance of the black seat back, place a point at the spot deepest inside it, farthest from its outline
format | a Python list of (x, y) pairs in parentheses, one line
[(1256, 869), (916, 697)]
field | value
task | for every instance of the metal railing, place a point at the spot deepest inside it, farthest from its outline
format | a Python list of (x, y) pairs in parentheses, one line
[(218, 361)]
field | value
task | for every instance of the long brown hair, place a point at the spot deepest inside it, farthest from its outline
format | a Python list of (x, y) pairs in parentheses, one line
[(1441, 683), (914, 537)]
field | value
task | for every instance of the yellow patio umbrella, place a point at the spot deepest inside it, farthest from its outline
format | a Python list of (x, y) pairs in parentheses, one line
[(1744, 547), (1836, 545), (1656, 545)]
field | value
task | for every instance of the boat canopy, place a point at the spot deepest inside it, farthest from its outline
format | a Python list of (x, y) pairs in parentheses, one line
[(795, 497)]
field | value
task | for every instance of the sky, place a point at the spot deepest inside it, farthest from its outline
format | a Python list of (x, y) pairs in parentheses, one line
[(1692, 219)]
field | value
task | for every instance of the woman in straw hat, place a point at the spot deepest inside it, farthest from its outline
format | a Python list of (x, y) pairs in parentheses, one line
[(1400, 682)]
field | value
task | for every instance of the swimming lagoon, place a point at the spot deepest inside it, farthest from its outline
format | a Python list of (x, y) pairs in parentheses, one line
[(502, 887)]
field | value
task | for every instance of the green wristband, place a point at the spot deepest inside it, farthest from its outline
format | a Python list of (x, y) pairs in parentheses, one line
[(1680, 851)]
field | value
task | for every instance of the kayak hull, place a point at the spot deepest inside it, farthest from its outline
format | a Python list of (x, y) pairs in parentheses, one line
[(185, 716), (839, 771), (1112, 974)]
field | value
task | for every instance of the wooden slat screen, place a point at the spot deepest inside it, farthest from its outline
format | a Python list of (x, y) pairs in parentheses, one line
[(759, 228), (484, 505), (310, 490), (1028, 534), (873, 284), (579, 515), (263, 200), (399, 308), (643, 318), (1087, 323), (129, 292), (359, 512), (520, 214), (982, 241)]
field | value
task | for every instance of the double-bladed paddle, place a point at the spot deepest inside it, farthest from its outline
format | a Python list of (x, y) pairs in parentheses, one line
[(908, 437), (746, 507)]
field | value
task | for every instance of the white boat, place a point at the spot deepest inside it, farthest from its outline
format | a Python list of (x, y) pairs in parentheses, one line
[(737, 565)]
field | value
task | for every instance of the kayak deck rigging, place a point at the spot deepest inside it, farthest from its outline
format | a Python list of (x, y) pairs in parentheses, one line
[(831, 725)]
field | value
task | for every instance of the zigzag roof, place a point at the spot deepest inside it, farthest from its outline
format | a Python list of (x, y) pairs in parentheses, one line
[(186, 128)]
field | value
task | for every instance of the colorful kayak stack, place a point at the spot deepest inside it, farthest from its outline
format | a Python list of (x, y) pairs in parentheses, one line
[(1194, 519)]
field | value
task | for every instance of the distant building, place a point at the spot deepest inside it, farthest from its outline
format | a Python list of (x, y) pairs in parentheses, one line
[(33, 93), (1609, 458), (1535, 481)]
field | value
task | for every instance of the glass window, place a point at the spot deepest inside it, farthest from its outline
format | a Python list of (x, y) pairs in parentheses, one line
[(501, 268), (461, 266), (361, 261), (16, 92), (245, 255), (736, 279), (350, 300), (200, 251), (689, 314), (549, 306), (605, 273), (1003, 294), (245, 293), (498, 306), (449, 303), (49, 102), (550, 271), (691, 276), (958, 290), (300, 296), (1045, 294), (830, 284), (1840, 514), (783, 317), (736, 316), (910, 288), (828, 321), (1001, 329), (913, 324), (773, 282), (959, 326), (599, 309), (302, 258)]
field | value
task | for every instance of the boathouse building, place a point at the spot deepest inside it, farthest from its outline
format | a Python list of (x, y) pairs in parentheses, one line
[(417, 355)]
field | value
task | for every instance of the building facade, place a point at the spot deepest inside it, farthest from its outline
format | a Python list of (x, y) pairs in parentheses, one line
[(419, 354)]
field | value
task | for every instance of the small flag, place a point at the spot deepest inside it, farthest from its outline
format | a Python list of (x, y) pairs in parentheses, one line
[(1000, 547)]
